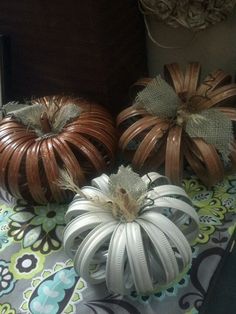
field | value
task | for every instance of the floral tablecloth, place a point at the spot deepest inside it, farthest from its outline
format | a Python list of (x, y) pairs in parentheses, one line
[(37, 277)]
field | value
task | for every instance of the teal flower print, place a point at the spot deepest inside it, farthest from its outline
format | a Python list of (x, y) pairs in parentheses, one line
[(48, 217), (56, 290), (7, 282), (7, 309), (38, 227), (5, 212)]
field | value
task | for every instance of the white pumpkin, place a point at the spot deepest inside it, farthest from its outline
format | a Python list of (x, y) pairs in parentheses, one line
[(132, 232)]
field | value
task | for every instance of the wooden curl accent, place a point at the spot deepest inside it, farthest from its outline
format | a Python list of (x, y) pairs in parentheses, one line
[(191, 78), (149, 143), (174, 155), (128, 113), (218, 97), (174, 76), (136, 129), (204, 160), (229, 112)]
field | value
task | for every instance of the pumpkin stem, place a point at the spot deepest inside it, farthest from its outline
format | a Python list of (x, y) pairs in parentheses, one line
[(125, 206), (182, 116), (127, 190), (45, 123)]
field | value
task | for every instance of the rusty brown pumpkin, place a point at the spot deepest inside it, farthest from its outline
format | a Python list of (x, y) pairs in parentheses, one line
[(150, 141), (30, 163)]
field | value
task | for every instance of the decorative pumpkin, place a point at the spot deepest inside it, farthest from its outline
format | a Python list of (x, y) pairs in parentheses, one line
[(132, 232), (54, 132), (180, 123)]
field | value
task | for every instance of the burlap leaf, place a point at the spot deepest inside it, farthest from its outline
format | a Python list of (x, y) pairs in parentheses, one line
[(158, 98), (214, 127), (10, 106), (128, 180), (14, 105), (64, 115), (30, 116)]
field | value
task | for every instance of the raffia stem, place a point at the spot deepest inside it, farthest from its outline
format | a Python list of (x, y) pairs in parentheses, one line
[(183, 116), (197, 118), (124, 205), (66, 182), (52, 109)]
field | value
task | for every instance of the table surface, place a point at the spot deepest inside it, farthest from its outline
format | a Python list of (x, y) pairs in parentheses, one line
[(37, 277)]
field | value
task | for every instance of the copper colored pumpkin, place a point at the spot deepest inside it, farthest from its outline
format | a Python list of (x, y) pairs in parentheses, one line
[(30, 164), (151, 141)]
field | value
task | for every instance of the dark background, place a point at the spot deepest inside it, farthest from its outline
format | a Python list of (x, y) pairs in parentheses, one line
[(94, 48)]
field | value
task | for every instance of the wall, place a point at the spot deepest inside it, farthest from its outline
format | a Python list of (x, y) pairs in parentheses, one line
[(74, 47), (214, 47)]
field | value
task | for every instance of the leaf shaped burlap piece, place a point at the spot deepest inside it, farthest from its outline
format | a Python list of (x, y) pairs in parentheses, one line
[(159, 98), (130, 181), (30, 115), (215, 128)]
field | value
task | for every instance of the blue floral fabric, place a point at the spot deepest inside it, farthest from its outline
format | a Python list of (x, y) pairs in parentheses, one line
[(37, 277)]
